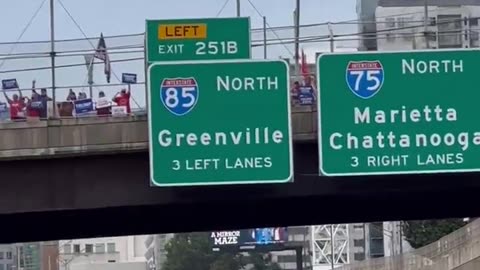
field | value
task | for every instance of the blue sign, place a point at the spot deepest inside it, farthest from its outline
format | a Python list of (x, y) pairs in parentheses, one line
[(365, 79), (83, 106), (179, 95), (37, 105), (306, 95), (9, 84), (3, 107), (4, 113), (129, 78)]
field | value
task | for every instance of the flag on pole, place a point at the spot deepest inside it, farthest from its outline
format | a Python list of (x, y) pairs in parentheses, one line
[(102, 54), (89, 63)]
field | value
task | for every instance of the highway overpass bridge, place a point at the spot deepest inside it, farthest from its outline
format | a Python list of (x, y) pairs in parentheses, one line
[(58, 174), (92, 135)]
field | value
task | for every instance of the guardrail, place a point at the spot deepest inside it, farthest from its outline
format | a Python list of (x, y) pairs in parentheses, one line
[(450, 252)]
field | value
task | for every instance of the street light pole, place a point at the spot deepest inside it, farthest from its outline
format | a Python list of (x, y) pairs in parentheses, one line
[(425, 24), (297, 36), (238, 8), (52, 53)]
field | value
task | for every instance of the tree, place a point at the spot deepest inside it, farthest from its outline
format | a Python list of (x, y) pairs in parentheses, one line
[(422, 233), (192, 251), (262, 261)]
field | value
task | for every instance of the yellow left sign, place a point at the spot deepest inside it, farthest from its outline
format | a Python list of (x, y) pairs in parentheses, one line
[(182, 31)]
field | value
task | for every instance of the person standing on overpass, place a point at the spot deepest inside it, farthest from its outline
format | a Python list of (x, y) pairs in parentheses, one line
[(17, 106), (123, 99)]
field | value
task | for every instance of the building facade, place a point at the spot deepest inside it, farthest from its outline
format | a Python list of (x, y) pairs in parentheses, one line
[(394, 241), (103, 253), (366, 24), (7, 254), (297, 236), (29, 256), (155, 253), (401, 24)]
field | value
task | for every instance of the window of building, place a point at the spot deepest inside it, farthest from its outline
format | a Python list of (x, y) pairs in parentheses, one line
[(1, 255), (67, 249), (432, 21), (359, 256), (76, 248), (21, 261), (473, 21), (450, 31), (88, 248), (390, 22), (9, 255), (474, 38), (9, 267), (401, 22), (376, 247), (100, 248), (111, 247), (358, 242), (358, 227), (432, 36), (2, 266)]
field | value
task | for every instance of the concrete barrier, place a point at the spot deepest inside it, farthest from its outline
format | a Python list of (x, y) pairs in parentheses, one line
[(459, 250), (77, 136)]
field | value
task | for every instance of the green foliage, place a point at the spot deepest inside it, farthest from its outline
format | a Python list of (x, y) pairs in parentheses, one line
[(262, 261), (192, 251), (422, 233)]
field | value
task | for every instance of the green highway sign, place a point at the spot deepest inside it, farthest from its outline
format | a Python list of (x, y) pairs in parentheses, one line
[(198, 39), (219, 122), (399, 112)]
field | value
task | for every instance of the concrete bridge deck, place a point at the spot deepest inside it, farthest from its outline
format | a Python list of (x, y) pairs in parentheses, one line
[(95, 135)]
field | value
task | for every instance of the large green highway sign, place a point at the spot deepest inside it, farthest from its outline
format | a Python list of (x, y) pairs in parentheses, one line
[(399, 112), (224, 122), (198, 39)]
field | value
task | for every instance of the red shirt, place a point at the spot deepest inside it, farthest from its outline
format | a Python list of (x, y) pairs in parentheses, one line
[(15, 108), (123, 100)]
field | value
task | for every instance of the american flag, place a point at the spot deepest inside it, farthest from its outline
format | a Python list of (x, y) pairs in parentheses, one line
[(102, 54)]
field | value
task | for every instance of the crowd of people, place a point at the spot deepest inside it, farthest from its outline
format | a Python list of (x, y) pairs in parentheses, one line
[(304, 93), (37, 105)]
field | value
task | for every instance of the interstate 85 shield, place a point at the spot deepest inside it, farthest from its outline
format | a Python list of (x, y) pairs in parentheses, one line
[(179, 95), (365, 78)]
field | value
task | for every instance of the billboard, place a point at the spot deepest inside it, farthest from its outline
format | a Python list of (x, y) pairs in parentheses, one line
[(249, 239)]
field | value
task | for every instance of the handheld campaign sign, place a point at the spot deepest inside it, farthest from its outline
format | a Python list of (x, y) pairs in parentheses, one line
[(306, 95), (129, 78), (9, 84), (83, 106)]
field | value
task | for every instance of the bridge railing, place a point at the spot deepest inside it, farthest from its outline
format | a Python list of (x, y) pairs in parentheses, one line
[(449, 252), (74, 69)]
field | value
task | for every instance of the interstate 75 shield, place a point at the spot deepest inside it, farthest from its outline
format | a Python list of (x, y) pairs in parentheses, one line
[(179, 95), (365, 78)]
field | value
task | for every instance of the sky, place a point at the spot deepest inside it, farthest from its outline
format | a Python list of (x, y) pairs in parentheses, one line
[(114, 17), (120, 17)]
